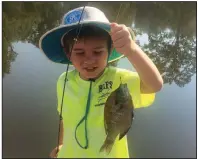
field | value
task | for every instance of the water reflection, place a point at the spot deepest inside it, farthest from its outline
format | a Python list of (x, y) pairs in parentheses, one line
[(174, 55), (9, 55), (29, 92), (173, 51)]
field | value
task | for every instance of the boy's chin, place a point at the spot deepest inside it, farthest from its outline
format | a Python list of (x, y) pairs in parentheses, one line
[(91, 75)]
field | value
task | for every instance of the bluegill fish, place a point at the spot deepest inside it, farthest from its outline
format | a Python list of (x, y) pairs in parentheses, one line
[(118, 116)]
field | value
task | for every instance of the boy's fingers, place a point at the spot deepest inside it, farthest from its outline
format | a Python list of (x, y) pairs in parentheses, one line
[(118, 35), (115, 27), (113, 24), (54, 153), (119, 43)]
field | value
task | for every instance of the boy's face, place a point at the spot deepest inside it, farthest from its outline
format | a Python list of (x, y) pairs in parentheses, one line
[(89, 57)]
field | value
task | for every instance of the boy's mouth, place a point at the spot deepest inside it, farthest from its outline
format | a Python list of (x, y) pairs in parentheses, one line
[(90, 69)]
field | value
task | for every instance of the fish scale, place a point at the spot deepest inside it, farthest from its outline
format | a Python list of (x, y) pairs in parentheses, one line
[(118, 116)]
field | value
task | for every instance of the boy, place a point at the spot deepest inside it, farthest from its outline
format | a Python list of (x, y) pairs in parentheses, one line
[(89, 85)]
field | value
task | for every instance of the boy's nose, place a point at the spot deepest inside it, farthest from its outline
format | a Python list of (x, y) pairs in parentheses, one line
[(89, 60)]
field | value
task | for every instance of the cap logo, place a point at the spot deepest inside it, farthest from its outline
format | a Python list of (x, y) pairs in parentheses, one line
[(73, 17)]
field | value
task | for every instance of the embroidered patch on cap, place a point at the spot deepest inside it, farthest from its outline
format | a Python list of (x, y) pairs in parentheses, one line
[(73, 17)]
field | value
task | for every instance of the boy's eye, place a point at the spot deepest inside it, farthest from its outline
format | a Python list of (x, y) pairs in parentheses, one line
[(98, 52), (79, 53)]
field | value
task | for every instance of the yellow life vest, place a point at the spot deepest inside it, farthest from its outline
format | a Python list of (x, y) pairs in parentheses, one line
[(83, 112)]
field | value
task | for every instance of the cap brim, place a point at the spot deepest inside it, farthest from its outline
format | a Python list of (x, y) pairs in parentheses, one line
[(50, 42)]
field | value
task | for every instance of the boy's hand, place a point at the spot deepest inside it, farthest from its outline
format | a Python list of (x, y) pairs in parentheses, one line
[(55, 151), (122, 40)]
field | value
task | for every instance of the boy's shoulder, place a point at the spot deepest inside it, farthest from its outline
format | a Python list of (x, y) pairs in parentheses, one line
[(70, 74), (122, 71), (111, 72)]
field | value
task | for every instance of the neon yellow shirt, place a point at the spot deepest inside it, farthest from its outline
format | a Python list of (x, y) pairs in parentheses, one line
[(74, 107)]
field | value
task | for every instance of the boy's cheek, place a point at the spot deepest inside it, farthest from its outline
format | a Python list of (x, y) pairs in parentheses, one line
[(74, 57)]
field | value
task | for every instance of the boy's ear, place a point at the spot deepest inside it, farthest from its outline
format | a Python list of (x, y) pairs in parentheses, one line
[(111, 49), (112, 46), (68, 54)]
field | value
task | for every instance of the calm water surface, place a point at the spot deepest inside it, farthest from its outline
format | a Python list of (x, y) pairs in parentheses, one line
[(30, 120)]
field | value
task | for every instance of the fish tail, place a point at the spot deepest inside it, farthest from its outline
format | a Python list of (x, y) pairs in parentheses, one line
[(107, 146)]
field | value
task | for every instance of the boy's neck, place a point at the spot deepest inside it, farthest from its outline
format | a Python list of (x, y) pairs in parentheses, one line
[(92, 79)]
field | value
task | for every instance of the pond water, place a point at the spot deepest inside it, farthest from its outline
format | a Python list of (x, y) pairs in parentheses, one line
[(30, 120)]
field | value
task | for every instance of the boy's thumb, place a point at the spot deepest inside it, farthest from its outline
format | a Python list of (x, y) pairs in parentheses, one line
[(113, 24)]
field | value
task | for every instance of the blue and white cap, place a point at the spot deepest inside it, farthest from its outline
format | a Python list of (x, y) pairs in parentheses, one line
[(51, 42), (89, 14)]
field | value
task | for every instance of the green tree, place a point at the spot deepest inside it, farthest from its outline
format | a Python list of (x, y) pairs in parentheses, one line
[(171, 27), (153, 17), (172, 47), (174, 56)]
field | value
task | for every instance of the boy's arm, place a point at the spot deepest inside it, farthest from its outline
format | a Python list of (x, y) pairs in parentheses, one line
[(151, 80)]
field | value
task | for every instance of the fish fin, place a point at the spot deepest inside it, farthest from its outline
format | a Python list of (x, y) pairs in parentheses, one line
[(107, 146), (105, 125), (105, 122), (124, 133), (107, 116)]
